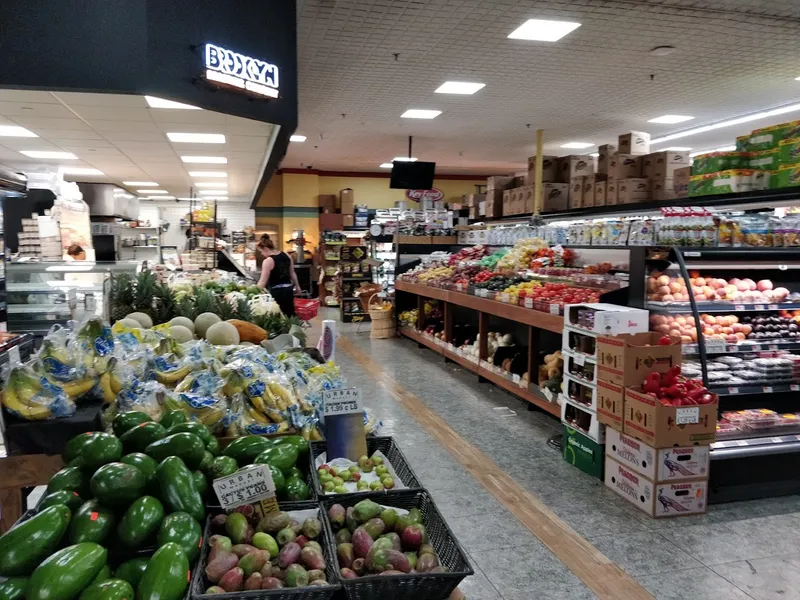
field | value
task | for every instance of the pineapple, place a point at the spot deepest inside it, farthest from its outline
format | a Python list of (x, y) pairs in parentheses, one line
[(145, 291), (121, 296), (205, 301), (243, 311), (164, 308), (225, 311), (186, 308)]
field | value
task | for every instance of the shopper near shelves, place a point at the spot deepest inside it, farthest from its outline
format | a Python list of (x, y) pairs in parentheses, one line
[(278, 276), (188, 246), (75, 252)]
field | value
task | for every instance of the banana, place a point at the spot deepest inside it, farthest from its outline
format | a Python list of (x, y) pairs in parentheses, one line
[(172, 377), (116, 385), (32, 411), (257, 416), (105, 384), (76, 389), (258, 402)]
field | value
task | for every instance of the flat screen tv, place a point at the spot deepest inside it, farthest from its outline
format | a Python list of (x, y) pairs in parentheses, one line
[(412, 175)]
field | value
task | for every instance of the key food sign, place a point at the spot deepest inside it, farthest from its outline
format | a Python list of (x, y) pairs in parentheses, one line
[(230, 68)]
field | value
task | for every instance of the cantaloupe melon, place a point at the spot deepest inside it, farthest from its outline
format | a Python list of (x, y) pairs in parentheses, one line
[(203, 322), (184, 322), (144, 320), (181, 334), (222, 334), (130, 323)]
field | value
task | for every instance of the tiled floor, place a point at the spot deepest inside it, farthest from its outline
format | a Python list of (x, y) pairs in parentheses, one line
[(748, 550)]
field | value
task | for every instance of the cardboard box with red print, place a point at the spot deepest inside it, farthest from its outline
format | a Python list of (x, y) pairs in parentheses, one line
[(628, 359), (662, 426), (660, 465)]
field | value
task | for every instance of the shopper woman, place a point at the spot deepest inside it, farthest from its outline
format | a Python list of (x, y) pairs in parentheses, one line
[(278, 276)]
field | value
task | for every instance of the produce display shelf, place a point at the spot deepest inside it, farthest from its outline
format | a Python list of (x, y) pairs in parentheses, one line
[(524, 316), (415, 335), (717, 307), (755, 446), (354, 278), (747, 346), (760, 388)]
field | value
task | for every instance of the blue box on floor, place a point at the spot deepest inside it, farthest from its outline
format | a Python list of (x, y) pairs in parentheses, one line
[(583, 452)]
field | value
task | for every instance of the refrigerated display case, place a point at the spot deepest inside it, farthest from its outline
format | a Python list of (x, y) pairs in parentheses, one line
[(13, 187)]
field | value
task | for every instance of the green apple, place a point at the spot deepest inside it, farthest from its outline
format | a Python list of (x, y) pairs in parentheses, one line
[(337, 481), (340, 489), (387, 482), (328, 487), (344, 475), (381, 470), (325, 477), (377, 460), (376, 486), (362, 486)]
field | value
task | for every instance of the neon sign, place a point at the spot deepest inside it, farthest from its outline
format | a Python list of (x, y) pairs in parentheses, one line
[(226, 67)]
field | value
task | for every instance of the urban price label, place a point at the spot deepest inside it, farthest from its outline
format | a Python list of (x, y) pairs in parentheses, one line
[(247, 486), (342, 402)]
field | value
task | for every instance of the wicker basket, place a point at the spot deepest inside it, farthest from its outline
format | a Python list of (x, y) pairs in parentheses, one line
[(383, 323), (366, 292), (414, 586)]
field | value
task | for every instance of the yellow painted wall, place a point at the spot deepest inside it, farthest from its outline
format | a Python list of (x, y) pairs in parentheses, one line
[(273, 193), (376, 193), (300, 190)]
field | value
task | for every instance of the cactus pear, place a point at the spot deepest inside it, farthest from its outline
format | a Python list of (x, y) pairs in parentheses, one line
[(296, 576), (347, 573), (222, 563), (289, 555), (336, 514), (362, 542), (375, 528), (426, 562), (271, 583), (345, 554), (366, 510), (312, 527), (273, 522), (253, 562), (316, 575), (236, 525), (312, 559), (232, 580), (343, 536), (396, 543), (253, 582)]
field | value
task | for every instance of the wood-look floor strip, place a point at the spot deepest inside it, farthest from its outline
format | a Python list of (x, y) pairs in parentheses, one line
[(601, 575)]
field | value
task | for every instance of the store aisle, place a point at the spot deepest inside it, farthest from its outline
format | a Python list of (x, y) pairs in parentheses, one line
[(736, 551)]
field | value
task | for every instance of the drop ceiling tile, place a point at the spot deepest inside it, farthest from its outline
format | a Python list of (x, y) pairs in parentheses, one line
[(112, 113), (34, 109), (246, 143), (76, 136), (103, 126), (170, 116), (41, 125), (86, 99), (144, 148), (134, 136), (27, 96)]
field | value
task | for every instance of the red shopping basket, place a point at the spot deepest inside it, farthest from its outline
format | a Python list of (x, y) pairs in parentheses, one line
[(306, 308)]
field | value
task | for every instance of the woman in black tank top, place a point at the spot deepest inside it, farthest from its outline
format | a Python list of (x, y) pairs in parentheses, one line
[(278, 276)]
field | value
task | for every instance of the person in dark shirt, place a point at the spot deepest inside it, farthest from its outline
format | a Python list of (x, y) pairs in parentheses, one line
[(278, 276)]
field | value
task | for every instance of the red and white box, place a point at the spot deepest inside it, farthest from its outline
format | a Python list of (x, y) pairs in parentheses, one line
[(660, 465)]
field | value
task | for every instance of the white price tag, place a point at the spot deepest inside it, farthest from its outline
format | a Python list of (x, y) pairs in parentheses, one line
[(515, 378), (772, 306), (759, 307), (777, 440), (738, 307), (555, 309), (715, 345), (528, 302), (13, 356), (767, 389), (733, 390), (342, 402), (579, 359), (504, 297), (247, 486), (794, 387), (772, 347), (690, 414), (741, 442)]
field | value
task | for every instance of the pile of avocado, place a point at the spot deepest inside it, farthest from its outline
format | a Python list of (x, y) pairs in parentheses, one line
[(138, 494)]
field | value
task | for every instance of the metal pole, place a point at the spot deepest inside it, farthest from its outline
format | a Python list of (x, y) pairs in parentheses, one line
[(538, 190)]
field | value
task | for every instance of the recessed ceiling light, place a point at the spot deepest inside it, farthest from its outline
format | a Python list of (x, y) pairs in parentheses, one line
[(209, 160), (152, 191), (728, 123), (671, 119), (678, 149), (386, 165), (154, 102), (595, 154), (140, 183), (297, 138), (416, 113), (80, 171), (197, 138), (158, 197), (542, 30), (15, 131), (459, 87), (577, 145), (404, 159), (211, 184), (208, 173), (49, 154)]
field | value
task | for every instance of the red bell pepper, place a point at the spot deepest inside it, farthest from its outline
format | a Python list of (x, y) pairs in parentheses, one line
[(706, 399), (676, 390), (669, 378), (695, 393), (664, 340), (652, 384)]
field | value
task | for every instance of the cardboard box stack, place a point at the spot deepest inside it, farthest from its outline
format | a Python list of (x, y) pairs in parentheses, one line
[(656, 455), (584, 324)]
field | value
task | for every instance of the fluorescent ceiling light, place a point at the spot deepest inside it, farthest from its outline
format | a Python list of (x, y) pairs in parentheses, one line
[(208, 173), (49, 154), (158, 197), (595, 154), (729, 123), (678, 149), (154, 102), (197, 138), (404, 159), (207, 192), (542, 30), (211, 184), (208, 196), (577, 145), (416, 113), (15, 131), (671, 119), (797, 78), (209, 160), (459, 87), (386, 165), (79, 171), (297, 138), (140, 183), (152, 191)]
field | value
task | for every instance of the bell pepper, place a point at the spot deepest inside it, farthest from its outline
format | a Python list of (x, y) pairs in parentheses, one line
[(694, 384), (670, 377), (706, 399), (664, 340), (652, 384), (676, 390), (695, 393)]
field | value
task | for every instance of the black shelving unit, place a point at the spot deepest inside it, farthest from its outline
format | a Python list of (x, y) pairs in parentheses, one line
[(207, 225), (352, 255)]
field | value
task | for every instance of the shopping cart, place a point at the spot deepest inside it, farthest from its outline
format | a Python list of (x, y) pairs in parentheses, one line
[(306, 308)]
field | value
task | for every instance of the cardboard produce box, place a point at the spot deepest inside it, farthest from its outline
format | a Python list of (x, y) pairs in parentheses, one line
[(600, 193), (662, 426), (549, 169), (333, 222), (611, 192), (630, 191), (634, 142), (499, 182), (347, 201), (327, 202), (583, 452), (605, 152), (627, 360), (647, 163), (610, 404), (624, 166), (574, 166), (659, 465), (670, 499), (589, 185), (665, 163), (348, 220), (555, 197), (680, 181), (576, 192), (494, 203), (525, 199), (663, 189)]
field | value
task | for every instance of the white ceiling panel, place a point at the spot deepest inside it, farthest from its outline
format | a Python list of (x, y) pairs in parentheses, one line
[(113, 113), (180, 117), (123, 137), (72, 135), (27, 96), (107, 100), (42, 125), (103, 126), (247, 143), (35, 109)]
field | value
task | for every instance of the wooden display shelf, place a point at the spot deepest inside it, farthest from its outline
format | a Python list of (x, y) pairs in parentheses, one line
[(498, 380), (512, 312)]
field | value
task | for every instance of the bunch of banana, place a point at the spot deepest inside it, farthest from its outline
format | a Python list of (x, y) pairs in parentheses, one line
[(76, 389), (32, 397)]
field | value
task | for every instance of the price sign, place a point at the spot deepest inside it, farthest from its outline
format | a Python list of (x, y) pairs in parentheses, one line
[(555, 309), (715, 345), (738, 307), (794, 387), (342, 402), (777, 440), (772, 306), (692, 254), (249, 485), (528, 302), (772, 347), (759, 307), (579, 359), (733, 390), (504, 298), (13, 356), (767, 389), (687, 415)]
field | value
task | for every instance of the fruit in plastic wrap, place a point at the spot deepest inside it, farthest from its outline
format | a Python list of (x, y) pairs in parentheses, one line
[(95, 344), (34, 397)]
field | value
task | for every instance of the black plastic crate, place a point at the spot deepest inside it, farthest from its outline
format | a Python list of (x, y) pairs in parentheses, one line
[(199, 583), (414, 586), (388, 447)]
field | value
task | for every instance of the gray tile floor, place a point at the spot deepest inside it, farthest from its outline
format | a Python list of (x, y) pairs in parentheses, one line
[(747, 550)]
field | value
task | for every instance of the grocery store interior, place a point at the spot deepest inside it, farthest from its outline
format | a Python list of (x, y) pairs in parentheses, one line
[(394, 300)]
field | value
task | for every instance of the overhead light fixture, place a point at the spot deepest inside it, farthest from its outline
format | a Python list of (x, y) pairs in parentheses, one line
[(154, 102), (140, 183), (197, 138), (15, 131), (79, 171), (595, 154), (297, 138), (158, 198), (211, 184), (49, 154), (213, 195), (209, 160), (386, 165), (417, 113), (208, 173), (728, 123), (671, 119), (404, 159), (678, 149), (152, 191), (542, 30), (577, 145), (459, 87)]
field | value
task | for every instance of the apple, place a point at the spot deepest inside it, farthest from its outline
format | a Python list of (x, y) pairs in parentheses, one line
[(764, 285), (328, 487)]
